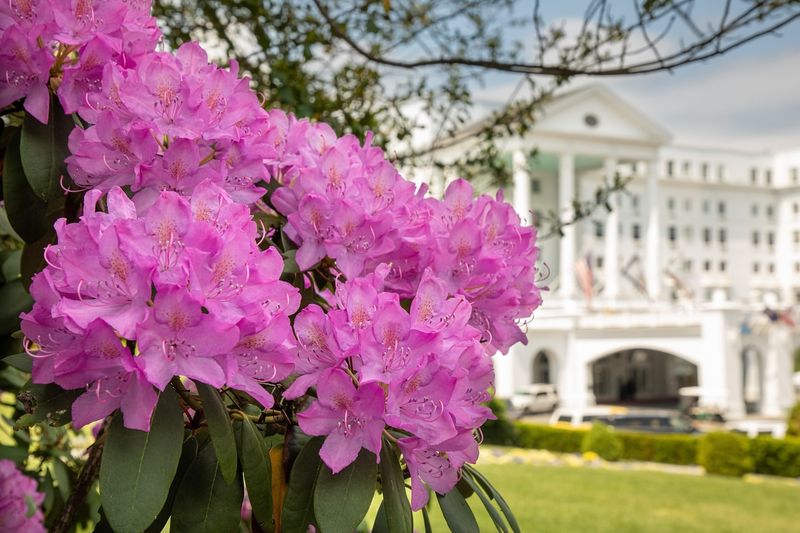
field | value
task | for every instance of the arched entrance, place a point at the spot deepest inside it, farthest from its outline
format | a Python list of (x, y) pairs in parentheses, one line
[(752, 378), (542, 368), (641, 377)]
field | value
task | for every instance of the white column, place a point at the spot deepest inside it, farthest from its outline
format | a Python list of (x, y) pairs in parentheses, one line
[(522, 187), (611, 260), (504, 371), (778, 395), (784, 249), (566, 195), (653, 234)]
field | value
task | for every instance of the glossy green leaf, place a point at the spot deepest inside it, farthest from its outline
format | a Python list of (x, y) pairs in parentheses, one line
[(10, 264), (27, 213), (342, 500), (426, 520), (32, 258), (20, 361), (457, 513), (43, 149), (494, 514), (380, 525), (219, 426), (205, 502), (14, 299), (495, 495), (298, 507), (138, 467), (191, 447), (398, 509), (46, 403), (257, 472)]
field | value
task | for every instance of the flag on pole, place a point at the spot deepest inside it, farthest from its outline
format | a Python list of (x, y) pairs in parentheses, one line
[(583, 270)]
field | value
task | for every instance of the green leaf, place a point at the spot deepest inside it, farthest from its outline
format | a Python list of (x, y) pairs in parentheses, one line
[(491, 509), (20, 361), (257, 472), (205, 501), (219, 426), (14, 299), (17, 454), (457, 513), (398, 509), (46, 403), (380, 525), (27, 213), (5, 226), (496, 496), (298, 507), (191, 447), (138, 467), (426, 520), (342, 500), (43, 149), (10, 264), (32, 260)]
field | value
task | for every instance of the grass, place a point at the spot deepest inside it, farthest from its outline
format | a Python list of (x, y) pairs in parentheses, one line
[(563, 499)]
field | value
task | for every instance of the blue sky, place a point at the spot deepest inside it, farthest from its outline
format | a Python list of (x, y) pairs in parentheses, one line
[(748, 98)]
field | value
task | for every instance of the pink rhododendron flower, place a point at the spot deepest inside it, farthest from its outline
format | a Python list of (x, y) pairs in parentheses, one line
[(20, 502), (349, 417)]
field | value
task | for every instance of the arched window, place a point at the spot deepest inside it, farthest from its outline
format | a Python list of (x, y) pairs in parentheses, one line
[(541, 368)]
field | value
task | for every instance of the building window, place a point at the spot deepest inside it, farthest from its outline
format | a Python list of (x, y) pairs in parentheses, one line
[(754, 210), (599, 228), (771, 268), (599, 261), (722, 266), (707, 266), (770, 211), (721, 209), (670, 168), (687, 266), (797, 267), (707, 235), (756, 267), (721, 172), (704, 171), (672, 232), (794, 172), (756, 238), (797, 237), (796, 208), (635, 201), (706, 206), (687, 166), (723, 235), (771, 238), (768, 177), (536, 186), (753, 175), (636, 232)]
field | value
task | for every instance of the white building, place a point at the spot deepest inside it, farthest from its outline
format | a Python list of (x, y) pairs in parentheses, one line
[(683, 267)]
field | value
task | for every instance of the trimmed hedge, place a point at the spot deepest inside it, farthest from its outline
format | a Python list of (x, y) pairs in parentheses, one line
[(550, 438), (501, 430), (603, 441), (654, 448), (776, 457), (762, 455), (726, 454)]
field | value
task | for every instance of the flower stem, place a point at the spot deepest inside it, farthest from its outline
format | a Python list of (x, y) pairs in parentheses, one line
[(184, 394)]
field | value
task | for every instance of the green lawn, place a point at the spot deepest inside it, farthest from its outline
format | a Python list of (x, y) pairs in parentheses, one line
[(563, 499)]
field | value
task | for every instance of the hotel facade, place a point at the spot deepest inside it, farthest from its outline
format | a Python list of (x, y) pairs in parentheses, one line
[(689, 281)]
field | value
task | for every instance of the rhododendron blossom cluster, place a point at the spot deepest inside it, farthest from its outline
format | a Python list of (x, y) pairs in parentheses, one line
[(20, 502), (373, 307)]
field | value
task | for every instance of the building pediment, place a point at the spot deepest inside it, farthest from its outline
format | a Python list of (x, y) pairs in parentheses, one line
[(596, 112)]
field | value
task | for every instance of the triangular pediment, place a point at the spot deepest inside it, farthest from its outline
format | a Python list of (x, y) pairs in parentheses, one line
[(596, 112)]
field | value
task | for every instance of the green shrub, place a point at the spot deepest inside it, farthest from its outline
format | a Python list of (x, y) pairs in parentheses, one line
[(603, 441), (671, 449), (727, 454), (793, 422), (776, 457), (502, 430), (555, 439)]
